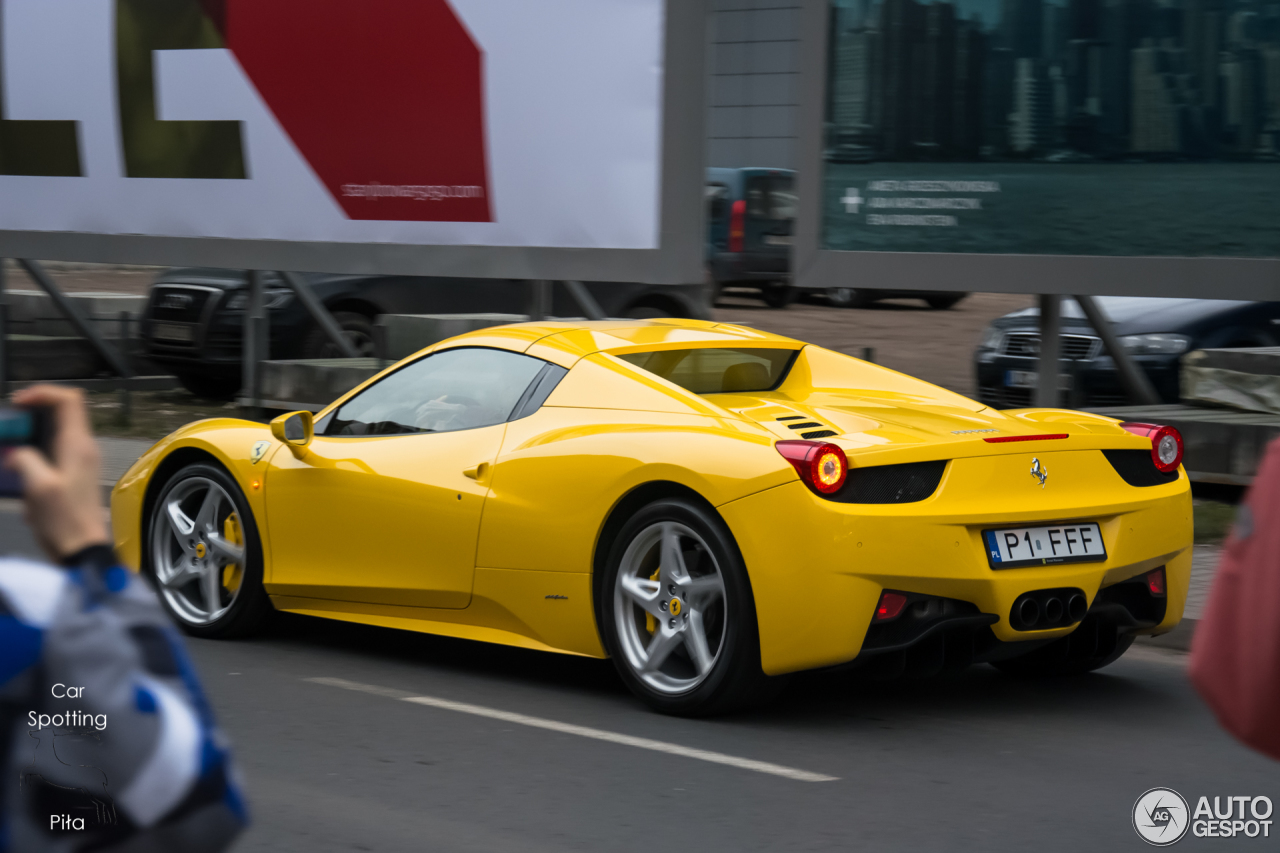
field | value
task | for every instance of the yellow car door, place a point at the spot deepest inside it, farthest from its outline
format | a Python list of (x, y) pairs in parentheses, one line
[(383, 506)]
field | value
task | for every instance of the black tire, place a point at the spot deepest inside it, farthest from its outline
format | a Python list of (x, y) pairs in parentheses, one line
[(250, 608), (646, 312), (778, 295), (848, 297), (211, 386), (942, 303), (734, 679), (358, 328), (1091, 646)]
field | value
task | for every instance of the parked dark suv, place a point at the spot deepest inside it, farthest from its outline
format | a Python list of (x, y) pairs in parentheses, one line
[(195, 317), (1155, 331)]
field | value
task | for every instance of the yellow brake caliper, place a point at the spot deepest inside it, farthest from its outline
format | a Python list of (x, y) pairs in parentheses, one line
[(651, 624), (232, 573)]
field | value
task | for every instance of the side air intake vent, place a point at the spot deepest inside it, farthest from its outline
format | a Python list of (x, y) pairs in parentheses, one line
[(818, 433), (892, 484), (1137, 468)]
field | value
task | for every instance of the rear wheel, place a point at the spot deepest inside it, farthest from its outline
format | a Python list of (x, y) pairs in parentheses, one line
[(205, 555), (678, 615), (1091, 646), (847, 297), (646, 312), (356, 328), (778, 294)]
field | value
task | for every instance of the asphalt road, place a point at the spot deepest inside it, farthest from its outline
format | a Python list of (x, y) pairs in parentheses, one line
[(976, 762)]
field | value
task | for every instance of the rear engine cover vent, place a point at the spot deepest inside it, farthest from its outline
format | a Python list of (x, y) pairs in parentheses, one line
[(805, 425), (1137, 468), (792, 418), (892, 484), (818, 433)]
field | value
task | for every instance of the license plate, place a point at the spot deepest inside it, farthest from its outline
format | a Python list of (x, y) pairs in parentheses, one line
[(1030, 379), (173, 332), (776, 240), (1013, 547)]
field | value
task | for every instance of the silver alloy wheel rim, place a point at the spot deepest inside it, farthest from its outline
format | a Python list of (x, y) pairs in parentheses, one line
[(191, 551), (680, 650)]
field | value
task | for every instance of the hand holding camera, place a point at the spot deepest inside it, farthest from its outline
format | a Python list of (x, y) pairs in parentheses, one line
[(53, 463)]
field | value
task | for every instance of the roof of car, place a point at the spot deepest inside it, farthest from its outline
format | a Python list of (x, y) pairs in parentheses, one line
[(575, 339)]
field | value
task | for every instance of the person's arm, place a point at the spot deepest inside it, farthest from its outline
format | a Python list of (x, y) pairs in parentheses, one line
[(151, 770)]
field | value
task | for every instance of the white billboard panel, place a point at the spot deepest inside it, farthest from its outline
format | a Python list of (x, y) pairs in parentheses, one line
[(524, 124)]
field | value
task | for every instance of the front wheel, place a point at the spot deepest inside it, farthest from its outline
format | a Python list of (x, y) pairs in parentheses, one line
[(205, 555), (677, 612)]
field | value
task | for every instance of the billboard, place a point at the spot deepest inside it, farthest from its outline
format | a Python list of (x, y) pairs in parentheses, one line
[(510, 138), (1045, 145)]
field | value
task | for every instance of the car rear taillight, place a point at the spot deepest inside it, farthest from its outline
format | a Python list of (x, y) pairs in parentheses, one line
[(1156, 582), (821, 465), (1166, 444), (890, 606), (738, 226)]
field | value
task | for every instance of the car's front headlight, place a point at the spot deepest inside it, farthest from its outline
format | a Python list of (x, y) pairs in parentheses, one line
[(992, 338), (1159, 344), (273, 298)]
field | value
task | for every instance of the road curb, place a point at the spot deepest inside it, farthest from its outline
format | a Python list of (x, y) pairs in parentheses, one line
[(1179, 638)]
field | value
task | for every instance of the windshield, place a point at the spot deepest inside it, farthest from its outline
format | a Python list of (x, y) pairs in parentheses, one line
[(717, 371)]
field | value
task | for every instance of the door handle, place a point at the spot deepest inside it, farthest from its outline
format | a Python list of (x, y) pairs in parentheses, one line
[(480, 473)]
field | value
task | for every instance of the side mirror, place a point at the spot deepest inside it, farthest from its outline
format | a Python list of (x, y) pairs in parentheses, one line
[(295, 428)]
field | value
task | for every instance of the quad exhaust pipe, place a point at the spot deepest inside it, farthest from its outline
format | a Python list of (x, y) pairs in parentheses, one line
[(1028, 611), (1048, 608)]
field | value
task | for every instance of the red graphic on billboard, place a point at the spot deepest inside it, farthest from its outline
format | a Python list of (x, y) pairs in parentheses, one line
[(384, 98)]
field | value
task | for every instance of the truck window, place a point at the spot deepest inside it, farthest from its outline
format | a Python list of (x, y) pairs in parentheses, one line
[(771, 197), (717, 198)]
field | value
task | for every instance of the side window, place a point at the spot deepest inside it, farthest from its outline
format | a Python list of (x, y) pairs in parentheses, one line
[(758, 197), (451, 390), (717, 196), (782, 206)]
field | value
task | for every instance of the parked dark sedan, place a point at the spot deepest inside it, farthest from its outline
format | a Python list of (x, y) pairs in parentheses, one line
[(1155, 331), (195, 317)]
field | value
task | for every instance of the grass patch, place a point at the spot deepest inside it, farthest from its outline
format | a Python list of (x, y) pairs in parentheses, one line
[(1213, 520), (154, 414)]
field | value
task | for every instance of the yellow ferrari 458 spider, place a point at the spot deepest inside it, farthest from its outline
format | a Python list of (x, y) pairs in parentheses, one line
[(707, 504)]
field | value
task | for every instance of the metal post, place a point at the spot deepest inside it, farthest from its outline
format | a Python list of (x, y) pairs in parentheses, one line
[(585, 300), (4, 332), (381, 346), (319, 313), (72, 313), (1050, 346), (125, 394), (1134, 379), (869, 355), (539, 299), (253, 350)]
